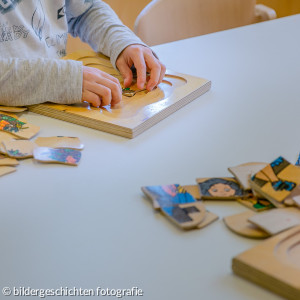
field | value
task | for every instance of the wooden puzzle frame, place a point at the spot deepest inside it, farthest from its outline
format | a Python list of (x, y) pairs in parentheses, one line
[(274, 264), (134, 114)]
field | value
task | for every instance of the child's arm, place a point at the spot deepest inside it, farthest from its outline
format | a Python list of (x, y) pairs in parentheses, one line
[(102, 29), (32, 81)]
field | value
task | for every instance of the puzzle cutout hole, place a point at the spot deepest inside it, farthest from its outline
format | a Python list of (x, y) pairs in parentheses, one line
[(289, 250), (129, 107)]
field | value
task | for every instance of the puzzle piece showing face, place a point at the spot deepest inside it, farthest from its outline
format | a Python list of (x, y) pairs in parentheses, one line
[(256, 204), (19, 148), (240, 225), (277, 220), (277, 181), (17, 127), (4, 170), (60, 142), (6, 161), (61, 156), (243, 172), (176, 204), (220, 189)]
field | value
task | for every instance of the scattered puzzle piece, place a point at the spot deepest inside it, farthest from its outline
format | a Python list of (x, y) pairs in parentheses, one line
[(256, 204), (193, 190), (277, 220), (62, 156), (17, 127), (2, 148), (176, 204), (243, 173), (60, 142), (19, 148), (276, 181), (220, 189), (208, 219), (240, 225), (4, 170), (4, 136), (7, 161), (12, 108)]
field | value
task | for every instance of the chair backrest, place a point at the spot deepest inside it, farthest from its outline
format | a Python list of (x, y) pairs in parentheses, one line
[(163, 21), (127, 10)]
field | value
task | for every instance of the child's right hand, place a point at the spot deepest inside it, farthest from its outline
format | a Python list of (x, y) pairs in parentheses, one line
[(100, 88)]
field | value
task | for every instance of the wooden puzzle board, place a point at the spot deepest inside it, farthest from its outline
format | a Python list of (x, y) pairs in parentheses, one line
[(274, 264), (134, 114)]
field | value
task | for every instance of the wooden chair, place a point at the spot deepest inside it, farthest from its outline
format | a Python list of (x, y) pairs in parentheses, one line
[(163, 21), (127, 10)]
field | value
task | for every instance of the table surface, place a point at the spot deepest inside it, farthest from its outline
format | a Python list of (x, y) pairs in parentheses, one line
[(90, 226)]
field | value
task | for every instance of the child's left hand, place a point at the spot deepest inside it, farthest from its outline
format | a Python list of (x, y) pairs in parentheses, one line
[(144, 61)]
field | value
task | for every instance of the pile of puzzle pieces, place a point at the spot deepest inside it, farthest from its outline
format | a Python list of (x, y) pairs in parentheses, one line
[(16, 144), (258, 186)]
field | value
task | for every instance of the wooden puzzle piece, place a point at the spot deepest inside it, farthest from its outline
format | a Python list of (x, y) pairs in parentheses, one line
[(193, 190), (277, 220), (276, 181), (187, 215), (17, 127), (176, 204), (243, 173), (12, 108), (61, 156), (4, 170), (6, 136), (7, 161), (256, 204), (273, 264), (208, 219), (2, 148), (19, 148), (60, 142), (220, 189), (240, 225), (127, 92)]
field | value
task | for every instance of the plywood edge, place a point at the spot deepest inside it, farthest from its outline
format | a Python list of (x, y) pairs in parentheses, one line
[(82, 121), (171, 109)]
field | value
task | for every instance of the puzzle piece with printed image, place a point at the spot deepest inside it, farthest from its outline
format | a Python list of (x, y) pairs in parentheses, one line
[(278, 182), (179, 206)]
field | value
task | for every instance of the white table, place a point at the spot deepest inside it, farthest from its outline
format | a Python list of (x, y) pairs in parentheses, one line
[(90, 226)]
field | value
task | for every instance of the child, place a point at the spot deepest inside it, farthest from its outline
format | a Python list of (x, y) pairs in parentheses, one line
[(33, 36)]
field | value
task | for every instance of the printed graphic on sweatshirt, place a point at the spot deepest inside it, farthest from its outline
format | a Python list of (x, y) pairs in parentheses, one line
[(7, 5), (38, 20), (61, 12), (12, 33)]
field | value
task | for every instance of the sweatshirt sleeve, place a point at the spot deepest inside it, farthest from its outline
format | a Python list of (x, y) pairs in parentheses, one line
[(100, 27), (32, 81)]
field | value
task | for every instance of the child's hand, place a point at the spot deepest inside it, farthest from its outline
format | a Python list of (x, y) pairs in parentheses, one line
[(100, 88), (143, 60)]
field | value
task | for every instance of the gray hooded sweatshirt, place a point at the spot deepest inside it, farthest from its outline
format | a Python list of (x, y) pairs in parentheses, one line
[(33, 36)]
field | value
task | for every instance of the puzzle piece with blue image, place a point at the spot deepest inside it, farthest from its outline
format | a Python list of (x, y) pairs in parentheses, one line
[(278, 182), (179, 206)]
